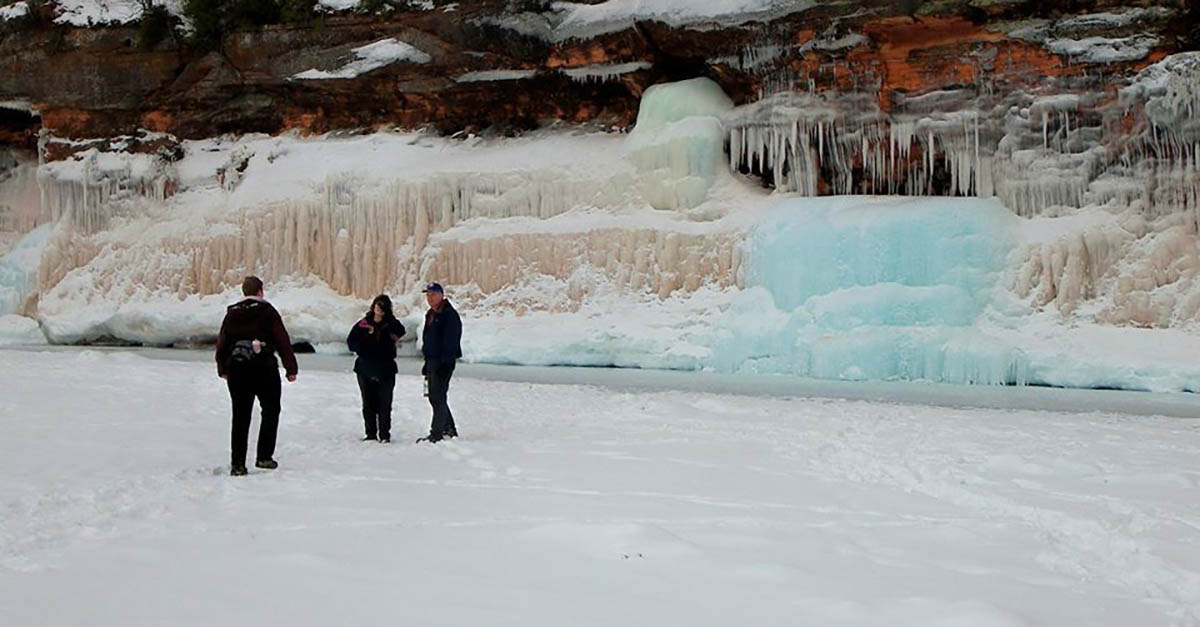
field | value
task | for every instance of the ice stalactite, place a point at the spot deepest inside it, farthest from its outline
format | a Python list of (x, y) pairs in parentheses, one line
[(24, 232), (774, 47), (626, 259), (360, 234), (1048, 156), (1139, 266), (363, 241), (86, 189), (1036, 154), (603, 73), (817, 145), (757, 57), (1164, 146), (20, 202), (1140, 152)]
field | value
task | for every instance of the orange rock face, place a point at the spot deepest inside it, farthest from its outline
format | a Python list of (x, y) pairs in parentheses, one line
[(157, 121), (96, 82)]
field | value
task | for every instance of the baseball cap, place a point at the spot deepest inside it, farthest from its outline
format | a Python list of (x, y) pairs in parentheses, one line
[(434, 287)]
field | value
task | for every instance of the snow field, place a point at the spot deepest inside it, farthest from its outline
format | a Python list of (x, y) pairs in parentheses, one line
[(579, 505)]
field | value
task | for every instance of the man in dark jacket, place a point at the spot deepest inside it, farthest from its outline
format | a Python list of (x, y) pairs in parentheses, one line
[(440, 346), (250, 336), (374, 339)]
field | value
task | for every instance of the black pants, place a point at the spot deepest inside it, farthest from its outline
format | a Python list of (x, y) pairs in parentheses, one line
[(377, 404), (439, 374), (243, 389)]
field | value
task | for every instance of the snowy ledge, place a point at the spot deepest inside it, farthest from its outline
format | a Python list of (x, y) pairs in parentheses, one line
[(494, 75), (350, 5), (579, 20), (1104, 49), (84, 13), (13, 11), (371, 57)]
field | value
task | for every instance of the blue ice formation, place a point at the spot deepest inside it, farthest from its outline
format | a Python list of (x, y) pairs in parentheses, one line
[(678, 144), (873, 288), (19, 269)]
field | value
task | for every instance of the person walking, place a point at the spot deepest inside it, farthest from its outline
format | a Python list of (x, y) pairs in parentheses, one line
[(250, 335), (374, 339), (440, 345)]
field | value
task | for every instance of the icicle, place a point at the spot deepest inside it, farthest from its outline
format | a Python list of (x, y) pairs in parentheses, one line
[(1045, 129), (820, 139), (978, 165)]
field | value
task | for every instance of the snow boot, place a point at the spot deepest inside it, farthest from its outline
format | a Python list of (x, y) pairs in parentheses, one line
[(269, 464)]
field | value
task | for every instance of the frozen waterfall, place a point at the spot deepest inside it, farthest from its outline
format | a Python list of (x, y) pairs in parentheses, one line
[(873, 288)]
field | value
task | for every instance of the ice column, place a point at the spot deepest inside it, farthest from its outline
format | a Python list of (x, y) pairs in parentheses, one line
[(678, 142)]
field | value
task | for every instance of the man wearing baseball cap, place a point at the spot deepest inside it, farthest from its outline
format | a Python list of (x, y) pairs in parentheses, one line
[(440, 346)]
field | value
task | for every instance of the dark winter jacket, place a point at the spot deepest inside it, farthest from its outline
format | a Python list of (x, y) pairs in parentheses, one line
[(442, 333), (375, 345), (254, 319)]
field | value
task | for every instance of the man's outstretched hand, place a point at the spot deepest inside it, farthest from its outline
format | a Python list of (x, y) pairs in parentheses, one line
[(291, 378)]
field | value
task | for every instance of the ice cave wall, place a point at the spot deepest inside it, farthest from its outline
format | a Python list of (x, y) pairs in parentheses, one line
[(586, 212), (1110, 179), (1131, 154)]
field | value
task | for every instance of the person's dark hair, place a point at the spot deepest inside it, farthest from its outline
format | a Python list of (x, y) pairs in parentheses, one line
[(251, 286), (385, 303)]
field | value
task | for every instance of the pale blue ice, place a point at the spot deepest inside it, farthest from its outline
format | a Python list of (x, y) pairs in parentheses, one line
[(873, 288), (19, 269)]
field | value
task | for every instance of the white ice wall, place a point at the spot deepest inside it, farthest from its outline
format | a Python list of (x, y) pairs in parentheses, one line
[(390, 212), (584, 225)]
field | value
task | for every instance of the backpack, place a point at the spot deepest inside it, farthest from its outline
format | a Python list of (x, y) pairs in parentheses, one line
[(242, 355)]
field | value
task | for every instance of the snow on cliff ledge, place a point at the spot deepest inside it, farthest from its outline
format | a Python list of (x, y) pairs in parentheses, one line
[(13, 11), (588, 20), (96, 12), (371, 57)]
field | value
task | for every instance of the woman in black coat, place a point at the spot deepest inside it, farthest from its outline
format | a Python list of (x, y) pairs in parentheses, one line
[(374, 339)]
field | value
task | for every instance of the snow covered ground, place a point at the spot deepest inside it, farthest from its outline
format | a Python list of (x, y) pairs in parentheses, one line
[(580, 505)]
